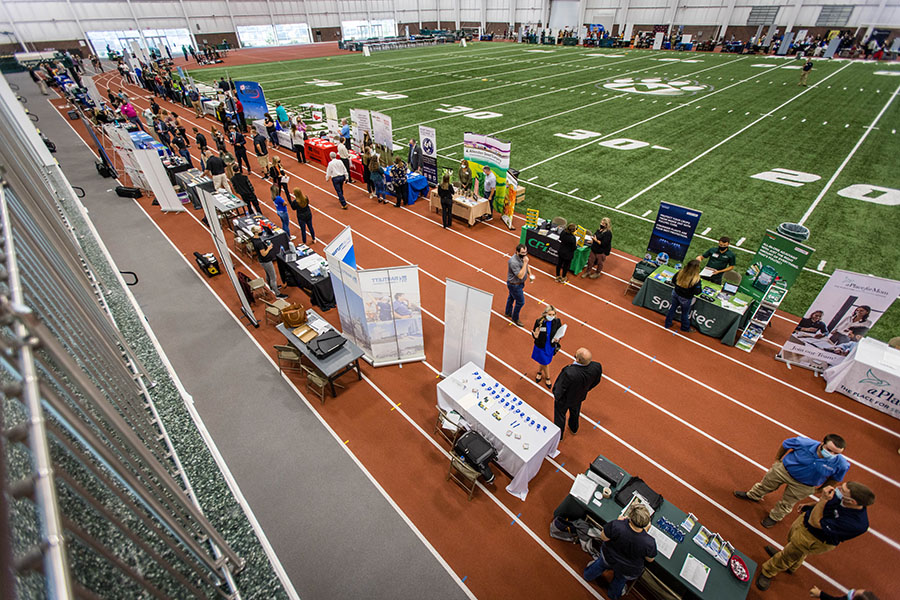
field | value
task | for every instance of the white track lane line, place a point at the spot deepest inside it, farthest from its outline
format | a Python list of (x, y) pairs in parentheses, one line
[(729, 138), (714, 503), (862, 139)]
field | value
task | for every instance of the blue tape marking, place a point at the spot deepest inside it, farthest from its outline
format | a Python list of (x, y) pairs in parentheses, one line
[(464, 578), (513, 522), (652, 359), (560, 467)]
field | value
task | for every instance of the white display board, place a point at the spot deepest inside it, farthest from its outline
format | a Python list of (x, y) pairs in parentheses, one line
[(383, 129), (467, 317), (658, 40), (158, 180)]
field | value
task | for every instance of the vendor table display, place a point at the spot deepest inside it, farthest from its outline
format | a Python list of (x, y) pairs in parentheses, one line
[(688, 568), (468, 209), (416, 185), (270, 232), (309, 272), (319, 150), (869, 374), (173, 166), (543, 242), (226, 202), (521, 435), (344, 359), (192, 180), (714, 312)]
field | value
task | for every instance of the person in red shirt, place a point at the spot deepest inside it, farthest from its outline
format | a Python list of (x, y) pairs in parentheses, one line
[(239, 110)]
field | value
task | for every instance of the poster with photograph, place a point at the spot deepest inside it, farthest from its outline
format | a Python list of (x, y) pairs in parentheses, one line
[(672, 233), (331, 119), (393, 314), (383, 130), (840, 316), (778, 258), (362, 125), (341, 258)]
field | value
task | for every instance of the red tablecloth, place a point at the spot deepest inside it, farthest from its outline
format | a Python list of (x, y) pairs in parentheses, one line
[(319, 150)]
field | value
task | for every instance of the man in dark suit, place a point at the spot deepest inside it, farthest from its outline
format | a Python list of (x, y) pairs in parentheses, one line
[(571, 388), (415, 156)]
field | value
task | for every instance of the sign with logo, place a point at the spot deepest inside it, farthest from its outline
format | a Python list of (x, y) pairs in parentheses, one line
[(429, 154), (866, 376), (657, 86), (251, 96), (672, 233), (778, 258), (840, 316), (485, 151)]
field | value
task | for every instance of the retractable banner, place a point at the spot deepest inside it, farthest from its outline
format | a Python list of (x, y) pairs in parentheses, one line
[(331, 119), (428, 142), (841, 315), (393, 314), (252, 98), (778, 258), (362, 121), (672, 233), (486, 151), (383, 130), (467, 316), (341, 259)]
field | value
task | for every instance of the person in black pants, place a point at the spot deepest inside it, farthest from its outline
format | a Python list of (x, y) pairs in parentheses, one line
[(567, 246), (300, 203), (445, 192), (278, 176), (687, 285), (571, 388), (239, 142), (243, 188), (398, 180)]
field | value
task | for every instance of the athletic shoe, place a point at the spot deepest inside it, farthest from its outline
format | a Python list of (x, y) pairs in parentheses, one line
[(768, 522)]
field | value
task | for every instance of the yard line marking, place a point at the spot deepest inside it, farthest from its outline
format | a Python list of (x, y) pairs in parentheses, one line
[(647, 213), (665, 112), (532, 179), (741, 241), (821, 265), (597, 196), (552, 184), (726, 140), (662, 147), (452, 153), (573, 191), (707, 230), (859, 143)]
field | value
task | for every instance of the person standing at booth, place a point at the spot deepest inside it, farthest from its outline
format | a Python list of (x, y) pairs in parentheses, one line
[(465, 176), (626, 549), (265, 252), (543, 331), (488, 189), (445, 192), (567, 246), (600, 249), (721, 259), (687, 285)]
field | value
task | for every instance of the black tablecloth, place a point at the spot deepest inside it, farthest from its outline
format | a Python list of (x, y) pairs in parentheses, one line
[(320, 292)]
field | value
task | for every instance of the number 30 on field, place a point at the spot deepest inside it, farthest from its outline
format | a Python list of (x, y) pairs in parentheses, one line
[(858, 191)]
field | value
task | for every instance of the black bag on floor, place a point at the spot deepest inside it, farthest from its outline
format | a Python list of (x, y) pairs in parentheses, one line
[(208, 263), (128, 192), (103, 169), (477, 452)]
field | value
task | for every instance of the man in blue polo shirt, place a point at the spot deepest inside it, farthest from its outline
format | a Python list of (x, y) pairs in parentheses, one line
[(802, 465), (838, 516)]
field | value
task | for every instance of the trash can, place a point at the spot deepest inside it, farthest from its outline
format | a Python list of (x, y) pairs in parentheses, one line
[(794, 231)]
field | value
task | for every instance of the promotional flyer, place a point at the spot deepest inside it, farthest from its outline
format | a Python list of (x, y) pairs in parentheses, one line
[(778, 258), (840, 316), (672, 233)]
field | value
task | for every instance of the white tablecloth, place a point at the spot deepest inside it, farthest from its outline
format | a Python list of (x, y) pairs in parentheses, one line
[(458, 392), (869, 374)]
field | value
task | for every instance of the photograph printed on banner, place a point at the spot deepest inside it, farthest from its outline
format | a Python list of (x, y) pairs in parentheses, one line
[(818, 330)]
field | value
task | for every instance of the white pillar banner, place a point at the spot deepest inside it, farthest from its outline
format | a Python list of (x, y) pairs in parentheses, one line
[(467, 316)]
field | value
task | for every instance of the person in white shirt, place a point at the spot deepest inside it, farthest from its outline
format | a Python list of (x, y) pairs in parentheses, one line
[(344, 155), (337, 173)]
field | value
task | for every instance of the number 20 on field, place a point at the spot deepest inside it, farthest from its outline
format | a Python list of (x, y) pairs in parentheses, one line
[(858, 191)]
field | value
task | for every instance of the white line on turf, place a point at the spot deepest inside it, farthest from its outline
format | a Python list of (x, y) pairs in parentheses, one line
[(707, 230), (531, 179), (647, 212), (846, 160), (592, 199), (741, 241), (727, 139), (573, 191), (821, 265), (552, 184)]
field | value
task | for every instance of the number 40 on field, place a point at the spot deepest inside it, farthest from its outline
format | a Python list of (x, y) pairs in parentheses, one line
[(858, 191)]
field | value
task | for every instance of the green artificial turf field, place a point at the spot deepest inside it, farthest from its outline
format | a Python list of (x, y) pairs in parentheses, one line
[(589, 145)]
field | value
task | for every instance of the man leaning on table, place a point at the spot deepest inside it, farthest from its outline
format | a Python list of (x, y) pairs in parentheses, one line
[(802, 465), (626, 548), (838, 516), (721, 259)]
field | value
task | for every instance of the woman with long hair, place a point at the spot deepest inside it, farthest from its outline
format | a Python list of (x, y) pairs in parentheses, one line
[(567, 246), (687, 285), (300, 204), (278, 176), (445, 192), (376, 173), (543, 331), (298, 139)]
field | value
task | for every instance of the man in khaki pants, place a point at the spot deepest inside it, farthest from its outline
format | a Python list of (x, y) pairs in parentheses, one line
[(838, 516), (802, 465)]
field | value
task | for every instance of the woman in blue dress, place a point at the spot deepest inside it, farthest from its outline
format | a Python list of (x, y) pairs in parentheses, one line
[(544, 329)]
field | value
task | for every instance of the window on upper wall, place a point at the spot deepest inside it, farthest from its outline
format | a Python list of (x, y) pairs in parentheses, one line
[(362, 30), (253, 36), (837, 15), (293, 33), (763, 15)]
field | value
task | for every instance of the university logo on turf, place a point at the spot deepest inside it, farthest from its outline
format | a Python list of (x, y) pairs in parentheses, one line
[(657, 86)]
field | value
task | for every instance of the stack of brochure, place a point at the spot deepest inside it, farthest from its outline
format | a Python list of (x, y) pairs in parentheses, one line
[(714, 545)]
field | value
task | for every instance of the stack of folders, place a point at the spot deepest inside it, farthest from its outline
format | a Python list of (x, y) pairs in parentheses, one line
[(714, 545)]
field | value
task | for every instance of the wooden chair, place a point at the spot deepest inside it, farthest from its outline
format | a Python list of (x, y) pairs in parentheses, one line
[(464, 475), (317, 383), (449, 436), (273, 310), (288, 358)]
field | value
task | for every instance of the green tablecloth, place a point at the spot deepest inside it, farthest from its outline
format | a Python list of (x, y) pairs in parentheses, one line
[(720, 583), (709, 317), (547, 248)]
